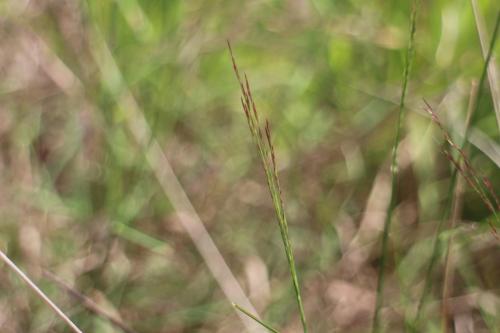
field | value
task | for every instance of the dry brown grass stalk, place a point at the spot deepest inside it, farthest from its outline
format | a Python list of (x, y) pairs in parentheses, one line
[(481, 185), (39, 292), (88, 303)]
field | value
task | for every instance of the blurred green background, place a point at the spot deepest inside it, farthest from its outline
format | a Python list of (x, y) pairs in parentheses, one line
[(79, 198)]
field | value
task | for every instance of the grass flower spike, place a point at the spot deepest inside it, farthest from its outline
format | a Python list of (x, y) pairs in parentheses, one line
[(262, 138)]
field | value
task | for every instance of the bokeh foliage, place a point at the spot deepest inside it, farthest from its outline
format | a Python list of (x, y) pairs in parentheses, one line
[(79, 198)]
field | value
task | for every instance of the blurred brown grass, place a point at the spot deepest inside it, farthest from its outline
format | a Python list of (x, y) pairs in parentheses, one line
[(80, 199)]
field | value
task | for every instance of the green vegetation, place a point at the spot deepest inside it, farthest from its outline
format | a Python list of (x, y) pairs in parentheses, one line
[(262, 138), (394, 171), (134, 201)]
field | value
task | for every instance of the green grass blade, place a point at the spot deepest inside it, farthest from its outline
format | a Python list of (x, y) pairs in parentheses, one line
[(267, 326), (453, 180), (484, 72), (394, 172)]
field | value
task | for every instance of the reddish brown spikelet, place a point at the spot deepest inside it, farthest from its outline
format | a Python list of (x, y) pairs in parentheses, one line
[(491, 191), (235, 68), (271, 148), (473, 185), (469, 180), (245, 109), (273, 159), (268, 160), (264, 144), (487, 184), (256, 114), (268, 136), (447, 137), (478, 184)]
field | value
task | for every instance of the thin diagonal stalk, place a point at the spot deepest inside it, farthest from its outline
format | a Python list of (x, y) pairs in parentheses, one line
[(481, 185), (457, 207), (89, 303), (394, 172), (453, 179), (262, 138), (38, 291), (267, 326)]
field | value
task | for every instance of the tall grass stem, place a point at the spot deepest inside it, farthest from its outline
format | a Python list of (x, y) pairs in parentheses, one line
[(394, 171), (262, 139)]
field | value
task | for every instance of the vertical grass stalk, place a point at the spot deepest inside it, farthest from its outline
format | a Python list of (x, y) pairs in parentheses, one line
[(394, 170), (453, 178), (262, 138)]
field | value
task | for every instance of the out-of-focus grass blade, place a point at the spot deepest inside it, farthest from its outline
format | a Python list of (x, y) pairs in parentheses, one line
[(492, 68), (394, 171), (239, 308), (138, 237)]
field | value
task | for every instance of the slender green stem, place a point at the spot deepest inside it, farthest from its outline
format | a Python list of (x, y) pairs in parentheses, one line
[(262, 139), (453, 180), (394, 172), (267, 326)]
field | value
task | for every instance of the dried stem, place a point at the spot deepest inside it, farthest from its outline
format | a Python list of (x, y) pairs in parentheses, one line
[(38, 291), (481, 185), (88, 303), (457, 209)]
